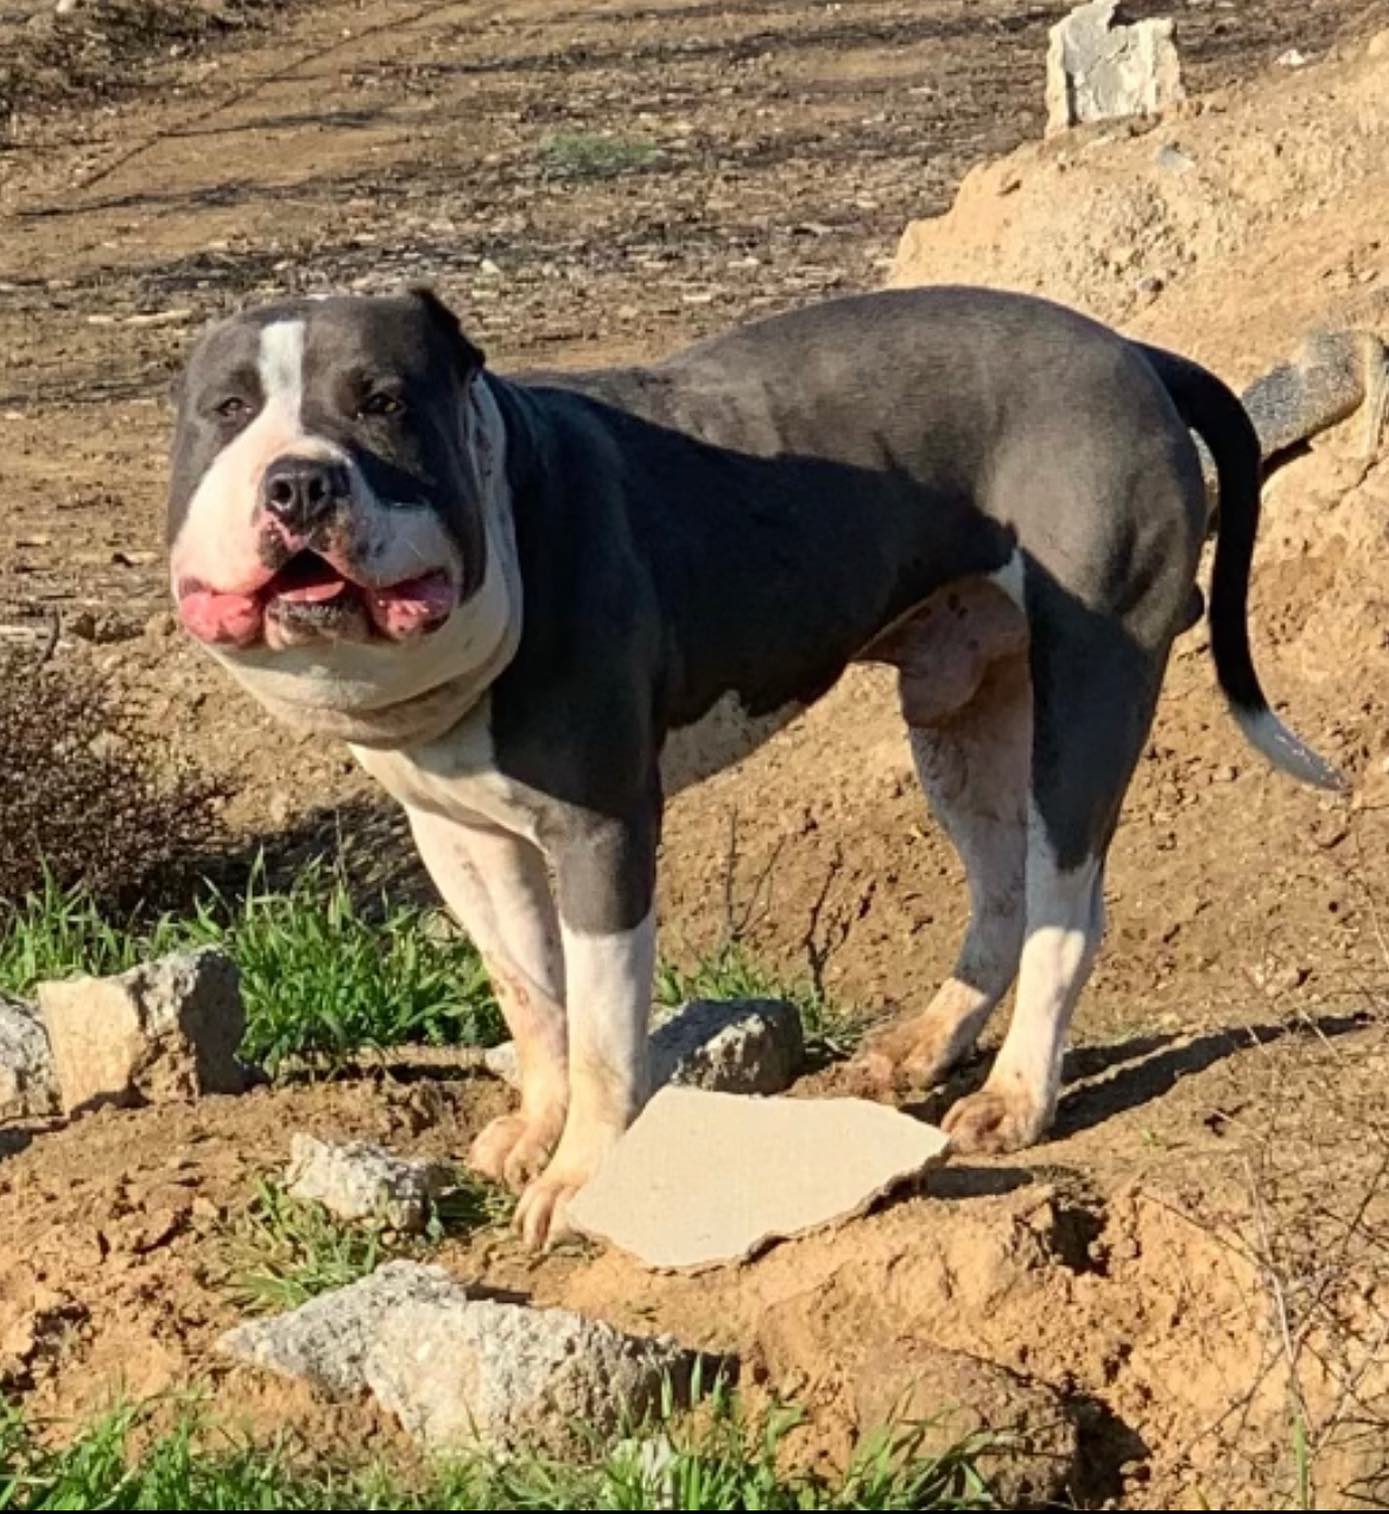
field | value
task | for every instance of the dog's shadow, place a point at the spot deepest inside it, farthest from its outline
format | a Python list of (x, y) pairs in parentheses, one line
[(1102, 1082)]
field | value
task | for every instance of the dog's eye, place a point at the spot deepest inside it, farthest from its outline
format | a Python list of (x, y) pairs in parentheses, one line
[(381, 404), (233, 408)]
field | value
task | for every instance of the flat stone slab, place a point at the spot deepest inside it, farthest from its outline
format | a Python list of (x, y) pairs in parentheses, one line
[(707, 1179)]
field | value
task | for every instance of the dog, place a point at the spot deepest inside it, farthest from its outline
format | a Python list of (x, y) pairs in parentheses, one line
[(537, 606)]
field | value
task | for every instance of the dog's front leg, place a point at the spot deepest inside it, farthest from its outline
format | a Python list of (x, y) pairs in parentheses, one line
[(605, 879), (497, 887)]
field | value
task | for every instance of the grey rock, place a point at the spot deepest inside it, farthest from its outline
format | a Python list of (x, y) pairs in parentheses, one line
[(28, 1085), (358, 1181), (165, 1030), (508, 1377), (722, 1045), (729, 1046), (1097, 70), (1173, 159), (326, 1341), (462, 1372)]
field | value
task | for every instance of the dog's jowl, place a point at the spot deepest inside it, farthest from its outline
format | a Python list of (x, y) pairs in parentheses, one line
[(535, 606)]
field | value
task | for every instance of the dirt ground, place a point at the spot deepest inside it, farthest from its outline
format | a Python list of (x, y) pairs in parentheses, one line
[(1195, 1260)]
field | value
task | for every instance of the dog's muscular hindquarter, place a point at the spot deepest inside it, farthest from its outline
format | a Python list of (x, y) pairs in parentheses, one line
[(538, 606)]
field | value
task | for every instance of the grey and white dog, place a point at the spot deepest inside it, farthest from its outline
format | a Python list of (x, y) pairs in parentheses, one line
[(536, 607)]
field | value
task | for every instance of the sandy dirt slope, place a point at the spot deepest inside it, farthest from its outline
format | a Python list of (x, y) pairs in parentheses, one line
[(603, 181)]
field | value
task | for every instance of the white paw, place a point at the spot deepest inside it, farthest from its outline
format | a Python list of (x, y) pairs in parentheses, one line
[(513, 1149)]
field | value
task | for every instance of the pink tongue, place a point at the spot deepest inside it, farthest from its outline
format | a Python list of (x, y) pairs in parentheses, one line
[(221, 619), (418, 604), (313, 594)]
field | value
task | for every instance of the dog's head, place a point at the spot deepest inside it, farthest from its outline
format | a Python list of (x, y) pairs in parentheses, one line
[(328, 527)]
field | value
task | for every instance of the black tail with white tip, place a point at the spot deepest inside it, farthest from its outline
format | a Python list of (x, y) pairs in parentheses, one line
[(1213, 411)]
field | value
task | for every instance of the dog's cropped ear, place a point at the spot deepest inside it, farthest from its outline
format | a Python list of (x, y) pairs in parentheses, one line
[(471, 357)]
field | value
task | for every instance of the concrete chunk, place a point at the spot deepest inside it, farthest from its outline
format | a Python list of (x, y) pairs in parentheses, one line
[(358, 1181), (724, 1045), (729, 1046), (326, 1341), (1097, 70), (28, 1085), (509, 1378), (705, 1179), (461, 1372), (165, 1030)]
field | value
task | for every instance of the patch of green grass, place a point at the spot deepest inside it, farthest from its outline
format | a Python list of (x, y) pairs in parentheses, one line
[(180, 1469), (283, 1251), (472, 1204), (57, 932), (321, 977), (732, 972), (586, 155), (715, 1460)]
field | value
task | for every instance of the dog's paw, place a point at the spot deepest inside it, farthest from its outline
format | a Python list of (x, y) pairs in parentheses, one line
[(513, 1149), (540, 1216), (913, 1055), (992, 1121)]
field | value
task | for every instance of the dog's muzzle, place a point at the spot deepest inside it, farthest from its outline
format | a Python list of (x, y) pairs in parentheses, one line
[(310, 587)]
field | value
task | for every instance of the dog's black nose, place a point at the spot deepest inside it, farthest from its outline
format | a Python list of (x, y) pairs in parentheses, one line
[(302, 492)]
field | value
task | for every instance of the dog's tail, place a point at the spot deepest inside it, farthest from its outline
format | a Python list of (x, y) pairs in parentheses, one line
[(1216, 415)]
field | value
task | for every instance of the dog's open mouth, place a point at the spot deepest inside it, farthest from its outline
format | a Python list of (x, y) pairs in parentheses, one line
[(308, 597), (307, 579)]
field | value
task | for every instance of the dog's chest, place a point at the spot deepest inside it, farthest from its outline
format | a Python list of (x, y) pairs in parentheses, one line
[(457, 777)]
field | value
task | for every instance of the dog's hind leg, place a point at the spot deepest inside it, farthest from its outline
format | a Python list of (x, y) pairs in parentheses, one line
[(497, 887), (1095, 686), (974, 766)]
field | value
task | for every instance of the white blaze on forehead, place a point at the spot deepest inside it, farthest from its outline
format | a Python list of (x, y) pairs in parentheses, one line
[(217, 541), (280, 363)]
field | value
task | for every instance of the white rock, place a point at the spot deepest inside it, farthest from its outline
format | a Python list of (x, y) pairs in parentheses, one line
[(1097, 70), (28, 1086), (358, 1181), (502, 1062), (165, 1030)]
